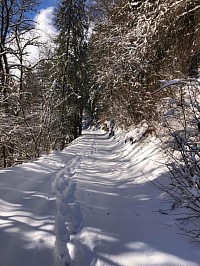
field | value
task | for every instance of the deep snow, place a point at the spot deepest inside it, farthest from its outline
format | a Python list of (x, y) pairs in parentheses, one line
[(91, 205)]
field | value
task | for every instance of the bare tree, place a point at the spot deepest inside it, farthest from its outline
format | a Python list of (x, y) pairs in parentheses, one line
[(180, 116), (15, 34)]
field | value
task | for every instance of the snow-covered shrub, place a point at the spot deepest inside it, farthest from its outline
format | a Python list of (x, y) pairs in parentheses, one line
[(182, 144)]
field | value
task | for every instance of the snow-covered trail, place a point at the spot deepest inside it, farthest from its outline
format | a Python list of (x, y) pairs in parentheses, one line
[(27, 212), (91, 204), (120, 208)]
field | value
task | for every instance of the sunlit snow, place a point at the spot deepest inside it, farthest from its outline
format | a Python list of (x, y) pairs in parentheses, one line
[(91, 205)]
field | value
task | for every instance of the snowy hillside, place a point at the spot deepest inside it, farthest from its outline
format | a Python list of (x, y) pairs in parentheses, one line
[(91, 205)]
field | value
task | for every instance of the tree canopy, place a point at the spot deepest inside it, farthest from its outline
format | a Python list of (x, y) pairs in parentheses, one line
[(108, 57)]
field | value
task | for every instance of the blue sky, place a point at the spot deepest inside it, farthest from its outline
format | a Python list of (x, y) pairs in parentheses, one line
[(47, 3), (43, 5)]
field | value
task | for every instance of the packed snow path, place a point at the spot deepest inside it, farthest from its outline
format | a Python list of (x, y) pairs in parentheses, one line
[(90, 205)]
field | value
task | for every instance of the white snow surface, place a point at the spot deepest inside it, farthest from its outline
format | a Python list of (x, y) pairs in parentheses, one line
[(91, 204)]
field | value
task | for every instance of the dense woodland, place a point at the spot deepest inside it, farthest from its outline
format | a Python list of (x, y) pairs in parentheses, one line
[(125, 60), (107, 58)]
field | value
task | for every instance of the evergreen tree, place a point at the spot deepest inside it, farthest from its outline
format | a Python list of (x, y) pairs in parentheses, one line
[(72, 22)]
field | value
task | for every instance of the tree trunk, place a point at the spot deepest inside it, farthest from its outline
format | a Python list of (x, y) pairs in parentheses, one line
[(80, 127), (75, 126)]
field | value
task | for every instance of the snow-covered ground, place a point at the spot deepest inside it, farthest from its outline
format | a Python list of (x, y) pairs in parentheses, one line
[(90, 205)]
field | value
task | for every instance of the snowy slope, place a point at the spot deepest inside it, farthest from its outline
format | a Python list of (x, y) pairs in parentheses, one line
[(90, 205)]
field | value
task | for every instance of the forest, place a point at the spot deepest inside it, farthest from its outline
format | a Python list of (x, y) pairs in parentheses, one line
[(133, 62), (109, 59)]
